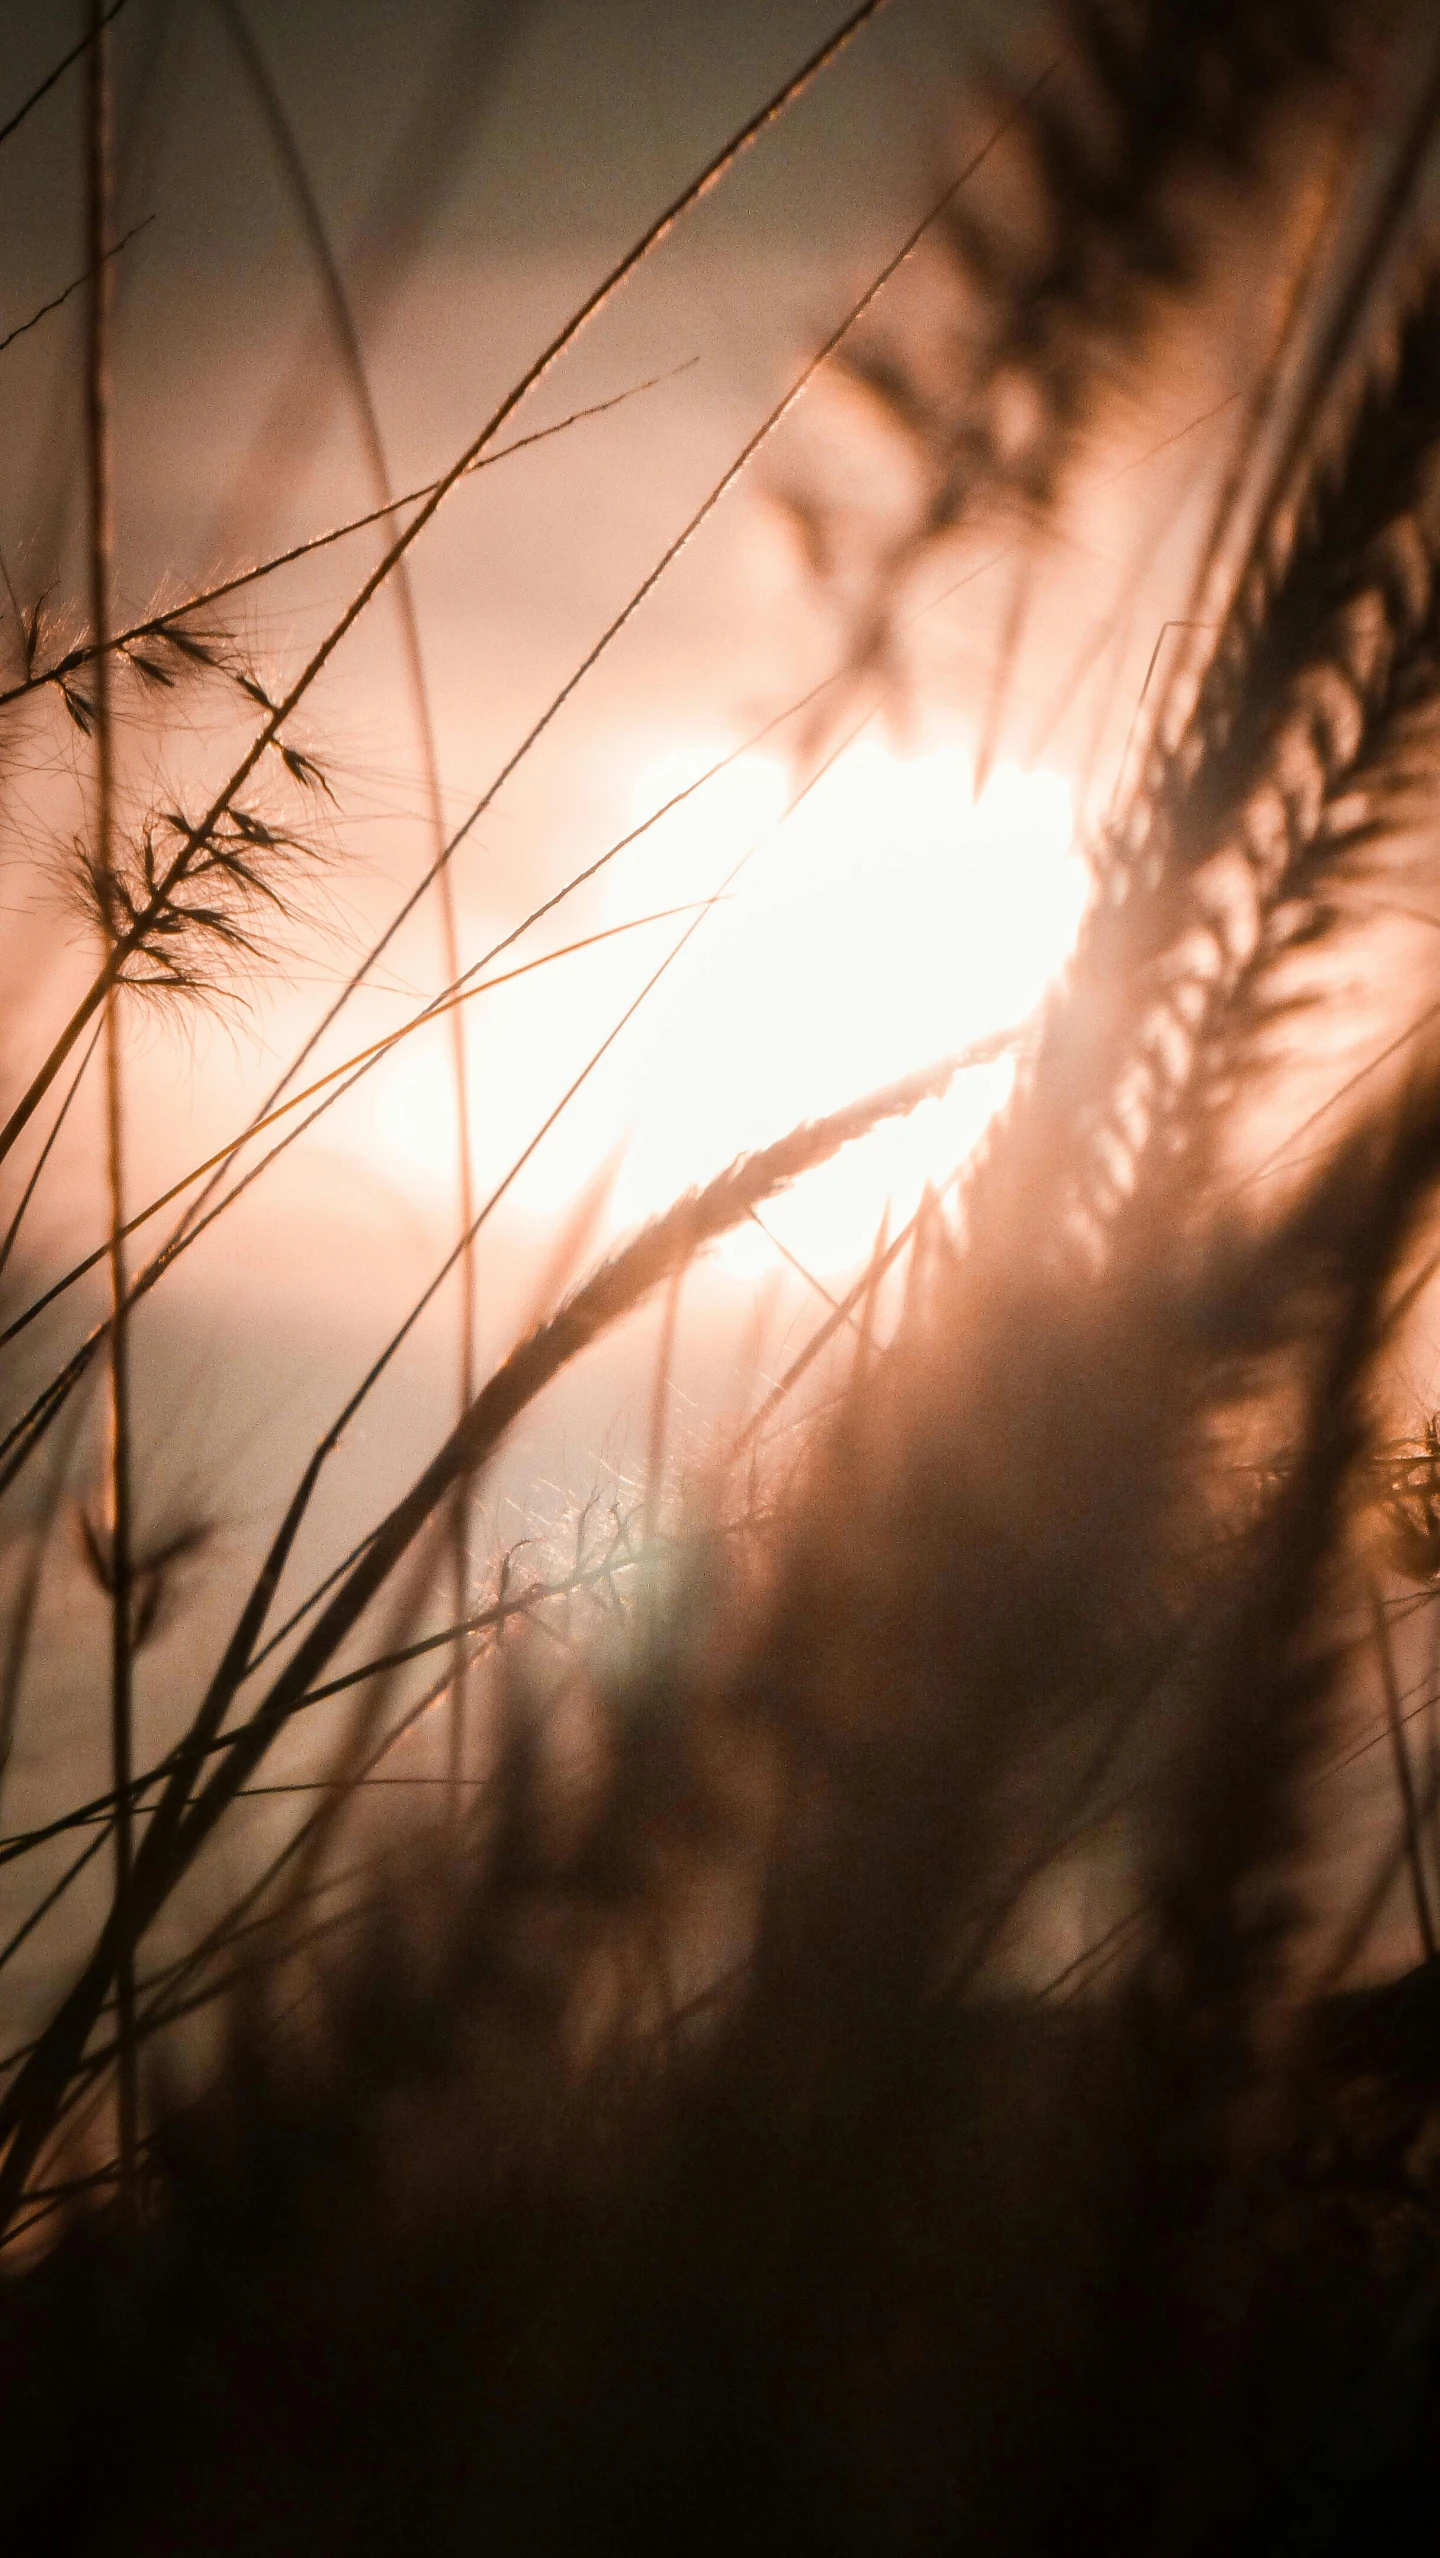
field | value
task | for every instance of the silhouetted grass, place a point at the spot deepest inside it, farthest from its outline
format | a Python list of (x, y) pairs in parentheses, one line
[(871, 2050)]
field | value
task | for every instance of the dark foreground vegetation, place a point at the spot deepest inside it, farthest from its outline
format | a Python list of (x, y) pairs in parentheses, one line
[(693, 2140)]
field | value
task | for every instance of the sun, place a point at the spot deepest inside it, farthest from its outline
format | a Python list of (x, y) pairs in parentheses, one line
[(871, 925), (889, 918)]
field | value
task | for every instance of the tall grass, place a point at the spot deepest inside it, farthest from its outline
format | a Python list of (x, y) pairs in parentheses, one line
[(887, 2043)]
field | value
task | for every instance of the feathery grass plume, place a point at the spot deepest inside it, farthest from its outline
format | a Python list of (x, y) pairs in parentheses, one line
[(1309, 740), (1054, 282), (1307, 745), (175, 934), (174, 929)]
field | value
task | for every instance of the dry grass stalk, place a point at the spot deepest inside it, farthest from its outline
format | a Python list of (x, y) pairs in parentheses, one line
[(709, 2143)]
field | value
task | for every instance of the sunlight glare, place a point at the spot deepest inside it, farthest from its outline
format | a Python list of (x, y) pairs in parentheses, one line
[(888, 920), (891, 919)]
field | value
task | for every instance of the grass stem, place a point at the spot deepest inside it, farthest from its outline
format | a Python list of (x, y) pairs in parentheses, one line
[(101, 562)]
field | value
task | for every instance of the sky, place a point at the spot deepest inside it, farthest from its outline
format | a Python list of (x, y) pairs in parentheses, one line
[(474, 172)]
